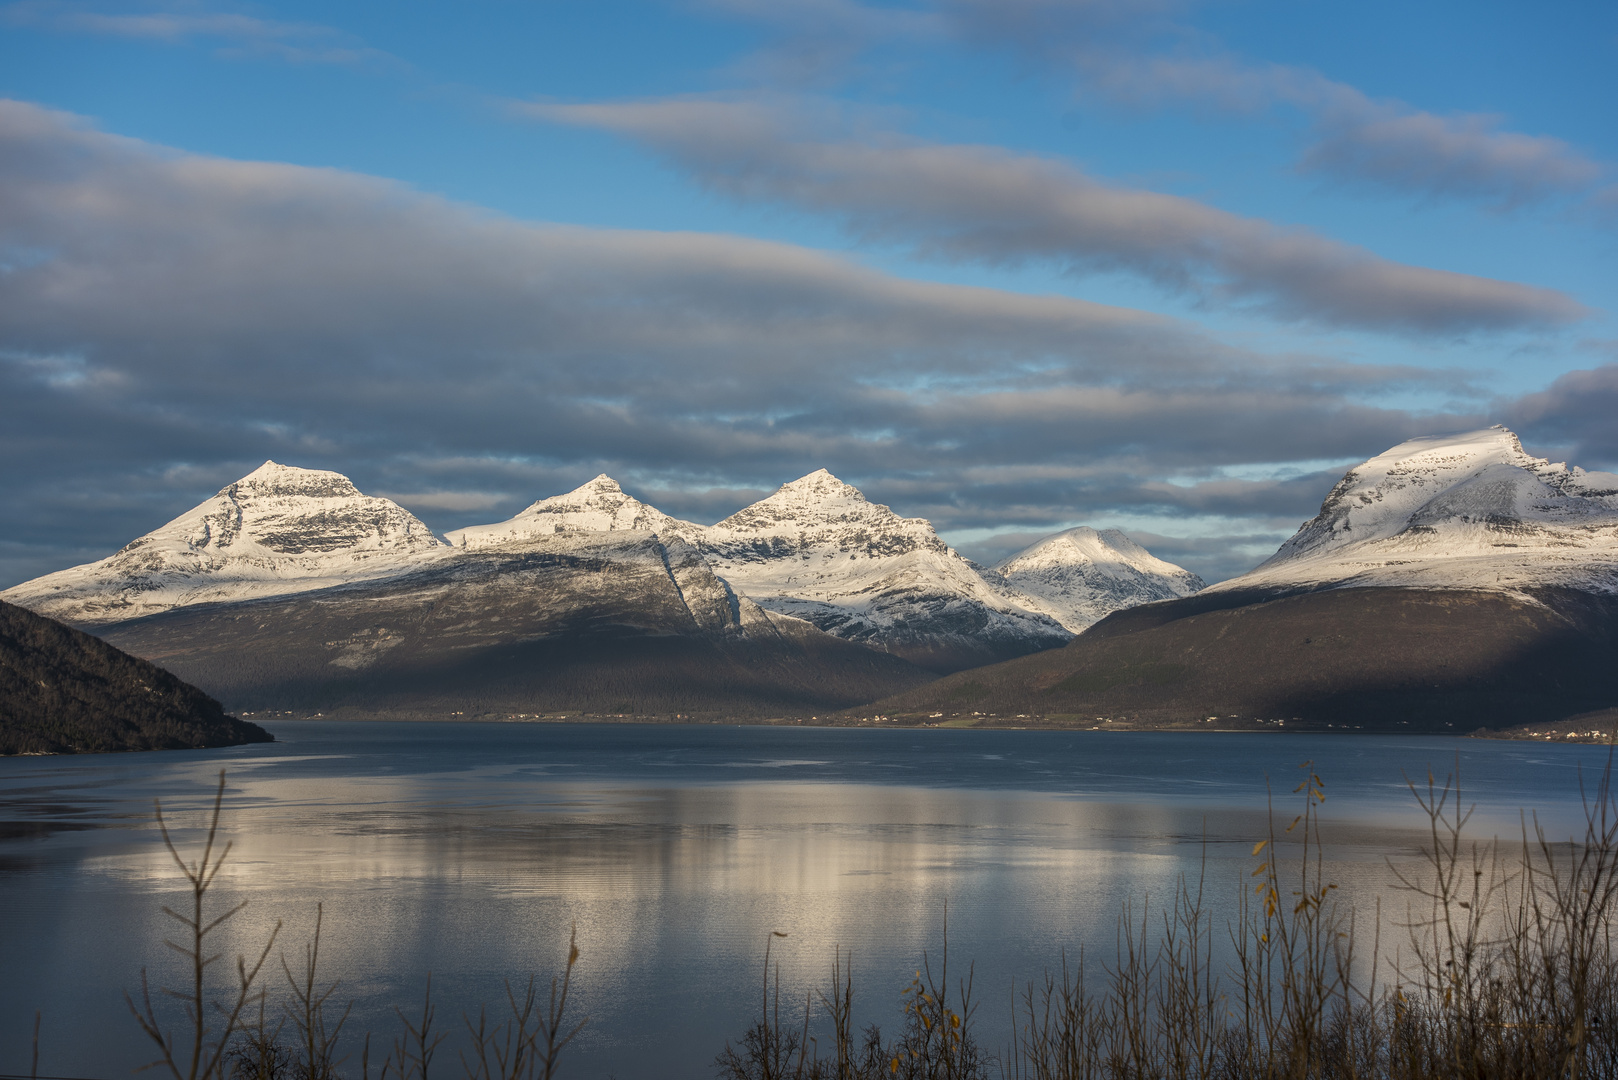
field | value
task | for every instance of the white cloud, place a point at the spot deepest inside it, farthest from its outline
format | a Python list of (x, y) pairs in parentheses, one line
[(233, 32)]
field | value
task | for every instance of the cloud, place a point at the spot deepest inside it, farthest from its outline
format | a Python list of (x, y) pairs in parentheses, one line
[(1466, 156), (977, 203), (1574, 415), (821, 42), (168, 321), (424, 501), (234, 32), (1358, 139), (1147, 54)]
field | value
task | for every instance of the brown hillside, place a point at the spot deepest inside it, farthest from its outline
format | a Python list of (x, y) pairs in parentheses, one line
[(1374, 658), (521, 632)]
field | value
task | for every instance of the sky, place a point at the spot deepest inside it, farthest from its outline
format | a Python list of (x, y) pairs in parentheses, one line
[(1009, 265)]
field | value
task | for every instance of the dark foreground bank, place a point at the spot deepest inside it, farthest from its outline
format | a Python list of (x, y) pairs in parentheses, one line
[(63, 691)]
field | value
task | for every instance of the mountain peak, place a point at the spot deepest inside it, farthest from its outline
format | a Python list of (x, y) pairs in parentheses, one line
[(273, 479), (1078, 545), (818, 549), (1467, 510), (601, 491), (821, 484), (816, 502), (279, 529), (598, 505), (818, 476), (1083, 574), (1497, 444)]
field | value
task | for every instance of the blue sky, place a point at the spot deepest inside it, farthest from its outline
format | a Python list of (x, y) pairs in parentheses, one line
[(1011, 266)]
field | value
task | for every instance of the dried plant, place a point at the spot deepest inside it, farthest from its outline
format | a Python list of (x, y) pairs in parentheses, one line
[(317, 1044), (201, 1055), (1506, 970), (259, 1054)]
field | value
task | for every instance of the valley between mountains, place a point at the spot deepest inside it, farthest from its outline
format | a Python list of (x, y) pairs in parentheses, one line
[(1450, 583)]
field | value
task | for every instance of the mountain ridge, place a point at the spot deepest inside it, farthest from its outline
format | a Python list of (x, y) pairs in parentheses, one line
[(609, 622), (1448, 584), (1082, 575), (816, 550), (291, 586), (277, 530), (1470, 510)]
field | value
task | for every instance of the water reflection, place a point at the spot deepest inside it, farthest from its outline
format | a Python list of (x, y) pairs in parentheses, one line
[(469, 851)]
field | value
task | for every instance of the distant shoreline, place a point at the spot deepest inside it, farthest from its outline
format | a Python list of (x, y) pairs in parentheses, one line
[(1592, 728)]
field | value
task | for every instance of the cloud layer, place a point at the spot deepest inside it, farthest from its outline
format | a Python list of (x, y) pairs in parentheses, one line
[(232, 33), (987, 205), (1150, 53), (168, 321)]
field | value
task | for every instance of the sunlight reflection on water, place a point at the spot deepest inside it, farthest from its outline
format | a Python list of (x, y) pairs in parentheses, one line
[(469, 850)]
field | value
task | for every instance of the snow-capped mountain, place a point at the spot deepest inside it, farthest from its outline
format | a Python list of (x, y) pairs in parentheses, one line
[(1448, 584), (600, 622), (1468, 511), (277, 530), (816, 550), (819, 550), (598, 506), (1083, 575)]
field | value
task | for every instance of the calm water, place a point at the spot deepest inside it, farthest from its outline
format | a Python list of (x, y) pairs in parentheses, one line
[(468, 850)]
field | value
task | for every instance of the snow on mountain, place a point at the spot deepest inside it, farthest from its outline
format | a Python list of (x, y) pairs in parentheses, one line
[(817, 549), (598, 506), (1083, 575), (1469, 511), (277, 530)]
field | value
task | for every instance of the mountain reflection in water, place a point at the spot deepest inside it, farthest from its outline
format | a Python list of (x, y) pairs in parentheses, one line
[(468, 850)]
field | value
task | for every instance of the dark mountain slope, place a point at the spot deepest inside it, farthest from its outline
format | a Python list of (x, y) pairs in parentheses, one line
[(609, 623), (63, 691), (1375, 658)]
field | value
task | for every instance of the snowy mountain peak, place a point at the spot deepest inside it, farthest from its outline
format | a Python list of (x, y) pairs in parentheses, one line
[(819, 503), (289, 511), (1471, 510), (1084, 574), (597, 506), (819, 550), (1080, 546), (272, 479), (278, 529), (816, 489)]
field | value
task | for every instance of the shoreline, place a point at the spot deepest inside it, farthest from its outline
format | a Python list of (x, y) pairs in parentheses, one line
[(1596, 728)]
